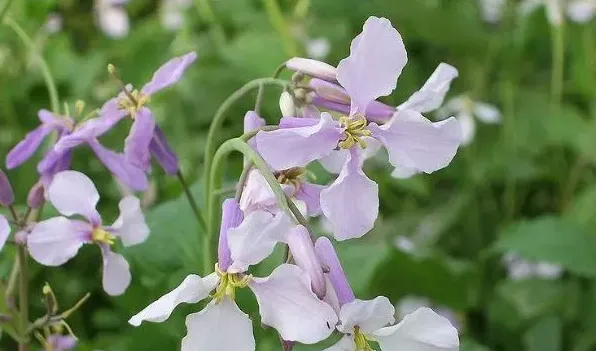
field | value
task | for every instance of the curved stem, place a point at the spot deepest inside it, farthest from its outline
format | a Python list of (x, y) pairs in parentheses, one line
[(192, 201), (4, 8), (558, 64), (43, 65)]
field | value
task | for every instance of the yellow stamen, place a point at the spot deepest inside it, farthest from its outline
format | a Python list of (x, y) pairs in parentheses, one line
[(361, 340), (292, 176), (99, 235), (133, 101), (355, 130), (228, 283)]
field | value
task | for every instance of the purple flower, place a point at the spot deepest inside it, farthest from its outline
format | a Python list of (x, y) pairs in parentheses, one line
[(377, 57), (4, 231), (6, 192), (57, 342), (55, 161), (144, 138), (56, 240)]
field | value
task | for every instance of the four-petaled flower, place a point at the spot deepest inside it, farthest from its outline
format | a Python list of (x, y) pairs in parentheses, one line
[(54, 241)]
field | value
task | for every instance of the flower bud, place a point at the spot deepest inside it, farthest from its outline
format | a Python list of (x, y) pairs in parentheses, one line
[(231, 217), (330, 91), (313, 68), (36, 196), (304, 255), (163, 153), (6, 193), (328, 257), (253, 121), (376, 111), (286, 105)]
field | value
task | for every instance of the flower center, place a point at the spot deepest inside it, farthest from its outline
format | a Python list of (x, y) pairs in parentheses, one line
[(100, 236), (228, 283), (291, 176), (361, 340), (132, 101), (355, 130)]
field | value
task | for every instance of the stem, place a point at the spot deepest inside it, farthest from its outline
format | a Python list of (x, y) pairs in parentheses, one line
[(12, 280), (508, 96), (192, 201), (23, 295), (218, 120), (278, 21), (242, 180), (259, 99), (4, 8), (45, 69), (558, 62)]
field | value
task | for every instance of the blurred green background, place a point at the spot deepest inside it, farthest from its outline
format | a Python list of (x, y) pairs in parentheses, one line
[(525, 187)]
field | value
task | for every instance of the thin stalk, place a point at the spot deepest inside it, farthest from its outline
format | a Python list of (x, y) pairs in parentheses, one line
[(276, 17), (242, 180), (23, 295), (558, 64), (192, 201), (508, 96), (45, 69), (259, 100), (4, 8)]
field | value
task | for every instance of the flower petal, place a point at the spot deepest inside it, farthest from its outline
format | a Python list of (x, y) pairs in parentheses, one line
[(351, 203), (335, 161), (467, 126), (430, 97), (377, 57), (312, 68), (415, 142), (56, 240), (231, 217), (130, 175), (257, 195), (311, 195), (423, 330), (403, 172), (136, 145), (4, 231), (369, 315), (169, 73), (192, 290), (72, 192), (254, 239), (92, 128), (287, 304), (296, 147), (335, 273), (27, 147), (344, 344), (130, 225), (302, 249), (487, 113), (116, 272), (163, 153), (219, 326)]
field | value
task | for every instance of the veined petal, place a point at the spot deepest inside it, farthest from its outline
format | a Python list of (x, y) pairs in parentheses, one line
[(116, 272), (369, 315), (404, 172), (487, 113), (27, 147), (4, 231), (169, 73), (351, 203), (344, 344), (219, 326), (311, 195), (72, 192), (336, 275), (430, 97), (287, 304), (192, 290), (303, 252), (423, 330), (130, 225), (129, 174), (415, 142), (254, 239), (91, 129), (377, 57), (136, 145), (296, 147), (56, 240), (163, 153)]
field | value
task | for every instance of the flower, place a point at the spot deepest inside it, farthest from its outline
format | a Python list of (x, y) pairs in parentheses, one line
[(112, 17), (56, 240), (221, 325), (376, 59), (492, 10), (4, 231), (145, 138), (6, 192), (318, 48), (58, 342), (56, 161), (362, 321), (519, 269), (581, 11), (172, 13), (554, 9), (465, 109)]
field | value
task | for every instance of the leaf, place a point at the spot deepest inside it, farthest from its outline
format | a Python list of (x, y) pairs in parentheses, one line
[(360, 260), (545, 335), (554, 240)]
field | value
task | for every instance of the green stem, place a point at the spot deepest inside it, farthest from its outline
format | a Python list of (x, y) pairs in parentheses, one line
[(276, 17), (192, 201), (23, 295), (4, 8), (218, 120), (45, 69), (508, 96), (558, 64)]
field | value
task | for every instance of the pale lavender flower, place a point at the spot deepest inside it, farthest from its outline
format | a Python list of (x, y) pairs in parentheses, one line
[(318, 48), (172, 13), (4, 231), (144, 138), (581, 11), (56, 161), (112, 17), (364, 320), (466, 111), (35, 197), (554, 9), (519, 269), (56, 240), (286, 301), (377, 57), (492, 10), (6, 192), (57, 342)]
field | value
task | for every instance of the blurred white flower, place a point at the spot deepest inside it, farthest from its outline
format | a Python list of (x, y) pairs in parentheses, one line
[(465, 109), (409, 304), (112, 17), (53, 23), (554, 9), (405, 244), (172, 13), (492, 10), (519, 269), (318, 48), (581, 11)]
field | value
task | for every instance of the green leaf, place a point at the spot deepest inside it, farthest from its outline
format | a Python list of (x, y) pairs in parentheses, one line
[(360, 260), (545, 335), (554, 240)]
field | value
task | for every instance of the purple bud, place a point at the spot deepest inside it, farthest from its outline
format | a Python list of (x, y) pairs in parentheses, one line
[(253, 121), (304, 255), (287, 345), (35, 198), (20, 237), (231, 217), (375, 111), (163, 153), (6, 193), (313, 68), (328, 257), (330, 91)]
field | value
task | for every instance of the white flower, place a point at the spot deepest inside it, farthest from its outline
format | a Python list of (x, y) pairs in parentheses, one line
[(465, 109), (554, 9), (581, 11), (53, 23), (519, 269), (112, 17), (172, 13), (364, 320), (492, 10), (318, 48)]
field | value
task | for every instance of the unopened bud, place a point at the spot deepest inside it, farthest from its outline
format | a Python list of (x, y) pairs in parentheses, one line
[(253, 121), (286, 105), (313, 68), (79, 107), (50, 299), (231, 217), (328, 257), (304, 255), (163, 153), (111, 69), (330, 91), (6, 193), (35, 198)]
